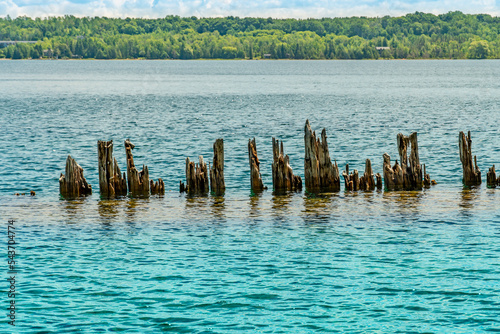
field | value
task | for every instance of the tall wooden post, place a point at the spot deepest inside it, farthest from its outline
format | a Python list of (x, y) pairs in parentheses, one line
[(217, 184), (111, 181), (471, 173), (138, 181), (283, 177), (196, 177), (255, 177), (320, 173)]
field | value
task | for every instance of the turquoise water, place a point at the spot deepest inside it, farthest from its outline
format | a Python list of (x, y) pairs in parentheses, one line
[(382, 262)]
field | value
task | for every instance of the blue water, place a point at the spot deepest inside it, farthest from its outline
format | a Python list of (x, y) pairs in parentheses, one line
[(385, 262)]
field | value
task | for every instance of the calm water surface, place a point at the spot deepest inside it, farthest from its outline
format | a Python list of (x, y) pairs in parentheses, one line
[(383, 262)]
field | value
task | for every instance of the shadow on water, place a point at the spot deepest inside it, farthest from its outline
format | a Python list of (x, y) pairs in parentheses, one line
[(318, 207)]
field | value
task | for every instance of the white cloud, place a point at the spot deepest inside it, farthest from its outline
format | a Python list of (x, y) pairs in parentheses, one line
[(242, 8)]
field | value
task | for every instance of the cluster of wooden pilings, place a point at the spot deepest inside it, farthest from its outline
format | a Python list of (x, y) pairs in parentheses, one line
[(321, 175)]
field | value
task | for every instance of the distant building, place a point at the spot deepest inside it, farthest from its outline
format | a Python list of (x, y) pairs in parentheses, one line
[(267, 55), (382, 48)]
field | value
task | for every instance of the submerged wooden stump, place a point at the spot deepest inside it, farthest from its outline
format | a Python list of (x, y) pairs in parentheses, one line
[(491, 178), (408, 175), (378, 177), (283, 177), (138, 181), (255, 177), (471, 173), (196, 177), (351, 181), (73, 183), (320, 174), (366, 182), (111, 181), (217, 185), (158, 187)]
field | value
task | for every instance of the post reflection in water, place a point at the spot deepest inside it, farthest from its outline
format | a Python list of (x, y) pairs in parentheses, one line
[(255, 206), (74, 208), (403, 202), (108, 209), (218, 208), (318, 207), (280, 205), (468, 197), (196, 206), (135, 205)]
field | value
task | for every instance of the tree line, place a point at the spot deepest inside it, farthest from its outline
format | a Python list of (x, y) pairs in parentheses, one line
[(454, 35)]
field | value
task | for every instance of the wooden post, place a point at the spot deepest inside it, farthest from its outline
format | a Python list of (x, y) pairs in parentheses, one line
[(368, 184), (217, 185), (491, 178), (427, 179), (351, 181), (412, 172), (111, 181), (283, 178), (471, 173), (378, 177), (255, 177), (196, 177), (320, 173), (393, 176), (138, 182), (158, 187), (73, 184)]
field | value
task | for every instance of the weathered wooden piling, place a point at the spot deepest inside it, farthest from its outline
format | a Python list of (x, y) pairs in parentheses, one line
[(283, 177), (365, 182), (73, 183), (217, 185), (320, 174), (408, 175), (157, 188), (351, 181), (491, 178), (471, 173), (378, 179), (255, 177), (138, 181), (196, 177), (111, 181)]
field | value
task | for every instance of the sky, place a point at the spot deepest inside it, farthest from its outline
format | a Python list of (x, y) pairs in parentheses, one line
[(242, 8)]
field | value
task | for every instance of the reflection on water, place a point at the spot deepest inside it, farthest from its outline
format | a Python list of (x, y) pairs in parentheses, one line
[(468, 198), (109, 209), (255, 205), (134, 205), (217, 206), (74, 208), (318, 207), (405, 202)]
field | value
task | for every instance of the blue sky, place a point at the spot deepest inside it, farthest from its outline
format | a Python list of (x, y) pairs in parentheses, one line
[(242, 8)]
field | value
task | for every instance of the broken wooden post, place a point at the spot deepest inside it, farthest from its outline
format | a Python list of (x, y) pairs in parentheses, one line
[(196, 177), (73, 183), (427, 179), (367, 182), (378, 177), (138, 182), (111, 181), (471, 173), (217, 185), (408, 175), (412, 170), (255, 177), (283, 178), (158, 187), (320, 173), (491, 178), (351, 181)]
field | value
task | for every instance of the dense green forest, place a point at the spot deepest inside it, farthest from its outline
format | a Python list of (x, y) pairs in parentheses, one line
[(419, 35)]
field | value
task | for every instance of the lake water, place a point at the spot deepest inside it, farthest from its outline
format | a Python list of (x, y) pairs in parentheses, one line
[(385, 262)]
